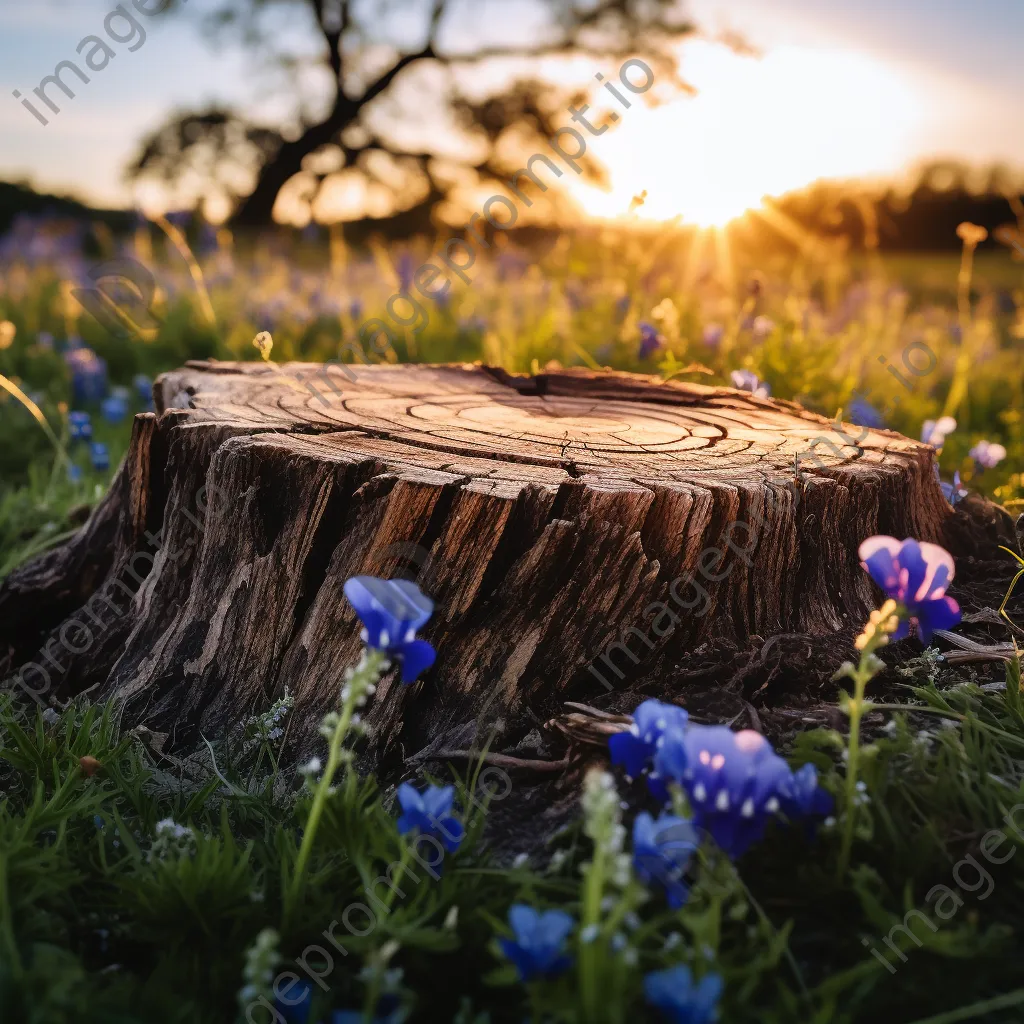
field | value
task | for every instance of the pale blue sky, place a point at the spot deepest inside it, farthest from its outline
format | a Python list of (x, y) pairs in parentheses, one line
[(966, 54)]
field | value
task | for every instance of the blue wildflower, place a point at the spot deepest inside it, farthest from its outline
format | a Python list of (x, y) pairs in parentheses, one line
[(662, 851), (650, 339), (731, 778), (74, 473), (747, 380), (300, 1002), (143, 387), (953, 492), (430, 813), (673, 992), (81, 426), (864, 414), (986, 455), (99, 455), (635, 747), (88, 374), (713, 334), (539, 944), (801, 796), (391, 611), (114, 408), (915, 575)]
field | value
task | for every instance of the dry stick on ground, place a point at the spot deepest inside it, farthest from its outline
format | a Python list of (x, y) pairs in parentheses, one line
[(537, 560)]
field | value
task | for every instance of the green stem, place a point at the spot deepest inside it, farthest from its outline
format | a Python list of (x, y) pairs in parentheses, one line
[(592, 890), (975, 1010), (368, 672)]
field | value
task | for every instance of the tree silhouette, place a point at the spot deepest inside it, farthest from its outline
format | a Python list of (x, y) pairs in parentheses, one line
[(386, 71)]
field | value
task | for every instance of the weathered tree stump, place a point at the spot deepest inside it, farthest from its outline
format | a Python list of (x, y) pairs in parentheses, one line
[(547, 516)]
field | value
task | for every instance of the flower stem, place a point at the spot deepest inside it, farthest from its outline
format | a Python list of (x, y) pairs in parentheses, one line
[(593, 887), (365, 674), (875, 636)]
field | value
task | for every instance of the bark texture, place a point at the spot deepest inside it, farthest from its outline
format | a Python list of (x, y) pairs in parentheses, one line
[(547, 516)]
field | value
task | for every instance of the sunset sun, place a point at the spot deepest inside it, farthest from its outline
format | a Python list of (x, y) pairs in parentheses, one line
[(757, 127)]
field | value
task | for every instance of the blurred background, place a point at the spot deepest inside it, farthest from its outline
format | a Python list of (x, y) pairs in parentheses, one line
[(794, 195)]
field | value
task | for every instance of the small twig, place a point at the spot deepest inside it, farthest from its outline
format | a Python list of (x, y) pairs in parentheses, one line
[(499, 760)]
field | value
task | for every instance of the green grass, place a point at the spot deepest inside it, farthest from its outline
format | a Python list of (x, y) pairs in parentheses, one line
[(102, 921)]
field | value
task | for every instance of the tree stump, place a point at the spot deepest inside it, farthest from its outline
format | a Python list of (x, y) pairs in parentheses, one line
[(575, 529)]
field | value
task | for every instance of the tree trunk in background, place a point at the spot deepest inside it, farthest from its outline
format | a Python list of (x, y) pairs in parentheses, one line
[(547, 516)]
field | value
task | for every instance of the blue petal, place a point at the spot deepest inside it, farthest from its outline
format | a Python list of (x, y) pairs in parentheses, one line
[(912, 560), (523, 959), (555, 926), (416, 656), (524, 921), (941, 613), (437, 800), (451, 833), (410, 798), (629, 751), (883, 570)]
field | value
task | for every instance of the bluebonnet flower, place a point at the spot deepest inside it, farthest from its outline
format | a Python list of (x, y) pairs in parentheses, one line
[(747, 380), (986, 455), (114, 408), (539, 944), (81, 426), (802, 797), (143, 387), (953, 492), (864, 414), (650, 340), (713, 334), (88, 374), (934, 432), (391, 611), (74, 473), (915, 576), (661, 852), (99, 455), (673, 992), (762, 327), (430, 812), (300, 1002), (405, 268), (731, 778), (635, 747)]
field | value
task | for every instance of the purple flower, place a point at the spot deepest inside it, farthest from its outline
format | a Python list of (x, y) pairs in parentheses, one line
[(864, 414), (713, 334), (986, 455), (747, 380), (622, 307), (762, 327), (405, 268), (732, 780), (952, 492), (635, 748), (81, 426), (673, 992), (539, 944), (661, 852), (915, 576), (650, 339), (99, 455), (934, 431), (802, 797), (391, 611), (430, 813)]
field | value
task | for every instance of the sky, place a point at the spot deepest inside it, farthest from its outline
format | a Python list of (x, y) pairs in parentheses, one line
[(843, 87)]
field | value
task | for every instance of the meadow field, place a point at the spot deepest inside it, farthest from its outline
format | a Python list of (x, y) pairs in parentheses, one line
[(137, 888)]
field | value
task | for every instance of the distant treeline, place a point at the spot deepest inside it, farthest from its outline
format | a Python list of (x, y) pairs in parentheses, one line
[(920, 216)]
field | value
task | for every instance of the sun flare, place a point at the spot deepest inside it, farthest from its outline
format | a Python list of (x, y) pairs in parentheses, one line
[(757, 127)]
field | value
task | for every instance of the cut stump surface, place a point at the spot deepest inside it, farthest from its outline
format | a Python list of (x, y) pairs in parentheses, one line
[(548, 517)]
